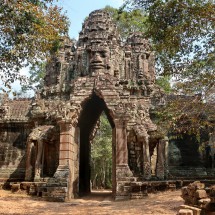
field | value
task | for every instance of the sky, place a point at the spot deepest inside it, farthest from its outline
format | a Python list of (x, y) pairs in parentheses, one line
[(77, 11)]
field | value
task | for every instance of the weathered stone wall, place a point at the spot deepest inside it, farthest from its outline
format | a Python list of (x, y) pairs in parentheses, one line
[(184, 158), (13, 138)]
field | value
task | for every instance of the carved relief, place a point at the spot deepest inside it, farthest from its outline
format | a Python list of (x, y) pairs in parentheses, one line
[(2, 112), (35, 150)]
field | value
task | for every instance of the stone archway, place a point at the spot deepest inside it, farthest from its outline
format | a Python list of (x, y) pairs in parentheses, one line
[(91, 111)]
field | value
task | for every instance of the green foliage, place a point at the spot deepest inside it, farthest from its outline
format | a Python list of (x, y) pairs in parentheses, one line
[(29, 30), (128, 22), (164, 82), (36, 79), (101, 155), (183, 34), (184, 115)]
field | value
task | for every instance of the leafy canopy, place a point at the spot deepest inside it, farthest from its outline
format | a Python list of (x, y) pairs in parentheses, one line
[(30, 31), (183, 37), (183, 34), (128, 22)]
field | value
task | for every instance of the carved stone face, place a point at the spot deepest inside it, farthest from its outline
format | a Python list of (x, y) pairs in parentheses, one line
[(99, 59)]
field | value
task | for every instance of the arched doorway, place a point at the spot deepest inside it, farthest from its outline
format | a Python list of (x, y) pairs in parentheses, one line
[(92, 109)]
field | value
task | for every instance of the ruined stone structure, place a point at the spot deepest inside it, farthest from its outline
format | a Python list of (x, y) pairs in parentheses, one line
[(49, 137), (198, 199)]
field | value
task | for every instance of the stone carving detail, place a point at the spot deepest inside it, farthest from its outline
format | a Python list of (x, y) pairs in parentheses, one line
[(2, 112), (35, 148)]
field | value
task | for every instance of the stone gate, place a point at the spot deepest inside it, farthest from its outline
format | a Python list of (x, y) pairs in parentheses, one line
[(98, 73)]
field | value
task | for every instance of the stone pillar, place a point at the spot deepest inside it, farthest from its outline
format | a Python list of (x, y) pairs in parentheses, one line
[(122, 168), (29, 167), (166, 166), (64, 150), (154, 161), (39, 160), (162, 159), (65, 170), (146, 159), (114, 162)]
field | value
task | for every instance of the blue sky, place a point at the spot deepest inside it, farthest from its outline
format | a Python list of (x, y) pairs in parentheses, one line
[(78, 10)]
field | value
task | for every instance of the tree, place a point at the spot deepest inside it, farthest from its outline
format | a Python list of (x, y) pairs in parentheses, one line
[(183, 37), (164, 82), (36, 79), (183, 34), (101, 155), (30, 30), (128, 22)]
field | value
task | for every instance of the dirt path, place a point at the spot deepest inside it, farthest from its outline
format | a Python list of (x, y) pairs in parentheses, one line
[(99, 203)]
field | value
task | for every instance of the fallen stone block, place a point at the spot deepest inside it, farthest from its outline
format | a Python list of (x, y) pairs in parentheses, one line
[(201, 194), (196, 211), (184, 191), (203, 202), (197, 185), (185, 212)]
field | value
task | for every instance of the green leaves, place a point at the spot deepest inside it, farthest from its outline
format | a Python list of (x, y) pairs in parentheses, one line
[(29, 31), (183, 34), (128, 22), (101, 155), (36, 79), (164, 82)]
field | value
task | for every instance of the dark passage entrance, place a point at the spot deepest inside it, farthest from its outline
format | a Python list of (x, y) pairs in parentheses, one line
[(92, 110)]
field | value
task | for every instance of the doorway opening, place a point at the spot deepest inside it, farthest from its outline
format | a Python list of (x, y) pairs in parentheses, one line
[(101, 156), (88, 123)]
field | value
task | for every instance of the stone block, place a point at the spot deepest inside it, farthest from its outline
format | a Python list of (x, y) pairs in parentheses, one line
[(191, 191), (65, 138), (15, 187), (201, 194), (203, 202), (196, 211), (25, 185), (64, 154), (63, 161), (198, 185), (127, 189), (138, 195), (185, 212), (184, 191), (122, 196), (64, 146)]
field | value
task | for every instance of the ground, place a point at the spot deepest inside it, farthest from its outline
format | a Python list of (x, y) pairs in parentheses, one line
[(99, 203)]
